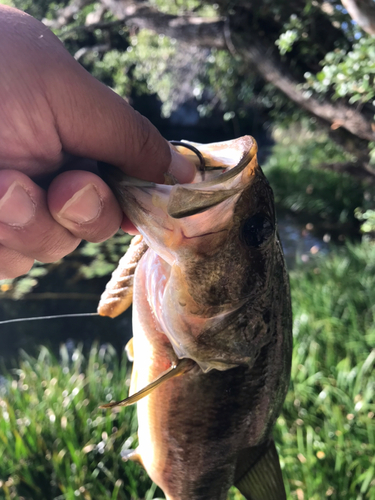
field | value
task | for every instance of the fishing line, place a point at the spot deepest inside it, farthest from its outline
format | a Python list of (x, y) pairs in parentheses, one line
[(38, 318)]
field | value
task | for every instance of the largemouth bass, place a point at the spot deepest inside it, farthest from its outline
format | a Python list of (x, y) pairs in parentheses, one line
[(211, 303)]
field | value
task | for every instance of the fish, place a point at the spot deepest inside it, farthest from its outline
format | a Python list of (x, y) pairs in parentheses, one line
[(212, 324)]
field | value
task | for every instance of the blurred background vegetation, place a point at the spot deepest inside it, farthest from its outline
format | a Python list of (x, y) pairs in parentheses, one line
[(299, 77)]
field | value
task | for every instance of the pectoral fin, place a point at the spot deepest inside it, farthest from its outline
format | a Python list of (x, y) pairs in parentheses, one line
[(182, 366), (118, 294), (262, 480)]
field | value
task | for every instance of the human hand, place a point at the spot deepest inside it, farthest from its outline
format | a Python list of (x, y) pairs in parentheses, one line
[(54, 113)]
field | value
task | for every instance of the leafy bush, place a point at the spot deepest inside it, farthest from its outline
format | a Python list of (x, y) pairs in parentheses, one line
[(300, 184), (348, 73)]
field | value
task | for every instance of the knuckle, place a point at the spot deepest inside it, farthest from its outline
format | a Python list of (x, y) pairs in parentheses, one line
[(53, 248)]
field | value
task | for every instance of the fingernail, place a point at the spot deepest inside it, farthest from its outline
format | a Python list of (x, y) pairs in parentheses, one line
[(181, 168), (16, 206), (84, 206)]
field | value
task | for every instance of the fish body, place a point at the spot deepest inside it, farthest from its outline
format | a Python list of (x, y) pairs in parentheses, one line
[(212, 288)]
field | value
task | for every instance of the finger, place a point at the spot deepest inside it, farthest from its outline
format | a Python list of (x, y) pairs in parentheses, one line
[(117, 135), (128, 226), (84, 204), (26, 224), (13, 264), (88, 118)]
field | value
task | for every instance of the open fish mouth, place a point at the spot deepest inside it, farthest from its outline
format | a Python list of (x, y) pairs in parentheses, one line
[(214, 183), (157, 209)]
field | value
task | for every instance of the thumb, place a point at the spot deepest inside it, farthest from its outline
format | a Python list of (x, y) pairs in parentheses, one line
[(91, 120), (99, 124)]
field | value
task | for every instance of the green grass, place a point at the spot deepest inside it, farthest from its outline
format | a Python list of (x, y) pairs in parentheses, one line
[(56, 444), (54, 441), (326, 433)]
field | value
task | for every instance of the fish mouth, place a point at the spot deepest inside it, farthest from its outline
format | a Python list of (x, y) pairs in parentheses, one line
[(189, 199), (164, 213)]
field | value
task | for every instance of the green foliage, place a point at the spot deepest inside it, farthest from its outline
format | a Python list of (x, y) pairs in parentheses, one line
[(368, 218), (223, 81), (144, 67), (303, 188), (103, 257), (39, 9), (153, 64), (25, 284), (286, 40), (180, 7), (294, 30), (326, 433), (349, 73), (55, 442)]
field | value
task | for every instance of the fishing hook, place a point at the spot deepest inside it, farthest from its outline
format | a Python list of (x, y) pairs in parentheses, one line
[(202, 165)]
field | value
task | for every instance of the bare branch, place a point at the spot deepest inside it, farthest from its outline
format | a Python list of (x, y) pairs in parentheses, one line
[(270, 67), (67, 14), (203, 32), (363, 13)]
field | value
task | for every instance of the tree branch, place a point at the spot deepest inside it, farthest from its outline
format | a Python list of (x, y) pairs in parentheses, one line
[(203, 32), (363, 13), (273, 71), (354, 169), (214, 33)]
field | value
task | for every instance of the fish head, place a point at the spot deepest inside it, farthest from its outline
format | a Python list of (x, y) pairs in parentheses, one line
[(217, 237), (184, 221)]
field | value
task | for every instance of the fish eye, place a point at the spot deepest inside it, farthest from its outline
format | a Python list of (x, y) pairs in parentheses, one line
[(256, 230)]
